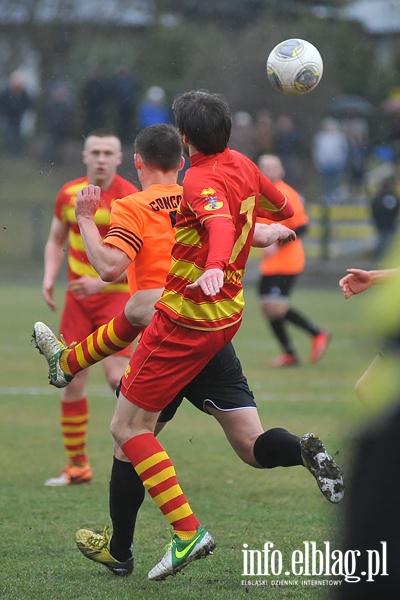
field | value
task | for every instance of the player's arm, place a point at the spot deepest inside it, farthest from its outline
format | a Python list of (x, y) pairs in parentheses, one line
[(359, 280), (139, 309), (54, 253), (383, 275), (221, 233), (266, 235), (110, 262)]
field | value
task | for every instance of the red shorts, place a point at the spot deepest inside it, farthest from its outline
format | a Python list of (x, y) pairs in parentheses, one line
[(80, 318), (167, 358)]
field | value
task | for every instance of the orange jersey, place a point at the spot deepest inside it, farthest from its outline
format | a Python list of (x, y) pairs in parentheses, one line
[(142, 226), (78, 262), (289, 258)]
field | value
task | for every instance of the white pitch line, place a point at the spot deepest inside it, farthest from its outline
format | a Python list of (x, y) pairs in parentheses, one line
[(47, 391), (99, 392)]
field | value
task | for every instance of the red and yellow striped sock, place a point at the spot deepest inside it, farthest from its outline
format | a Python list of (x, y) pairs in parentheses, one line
[(157, 472), (74, 419), (108, 339)]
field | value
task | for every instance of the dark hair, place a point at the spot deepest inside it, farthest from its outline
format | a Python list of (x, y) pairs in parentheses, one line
[(205, 119), (160, 146)]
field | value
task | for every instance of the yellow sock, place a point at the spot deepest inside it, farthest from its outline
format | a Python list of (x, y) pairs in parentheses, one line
[(64, 362), (185, 535)]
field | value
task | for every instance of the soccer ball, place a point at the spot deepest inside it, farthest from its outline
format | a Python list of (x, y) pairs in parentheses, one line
[(294, 67)]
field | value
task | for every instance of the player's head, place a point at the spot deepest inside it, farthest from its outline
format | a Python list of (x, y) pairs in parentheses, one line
[(271, 166), (204, 119), (160, 147), (102, 155)]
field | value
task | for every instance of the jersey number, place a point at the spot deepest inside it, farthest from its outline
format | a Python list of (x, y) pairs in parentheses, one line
[(247, 208)]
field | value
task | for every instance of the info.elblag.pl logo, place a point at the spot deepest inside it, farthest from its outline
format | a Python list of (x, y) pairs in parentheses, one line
[(314, 561)]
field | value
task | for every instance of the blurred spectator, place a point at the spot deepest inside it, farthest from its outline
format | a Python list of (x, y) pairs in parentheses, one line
[(14, 103), (384, 153), (356, 130), (244, 134), (154, 110), (265, 132), (288, 147), (391, 111), (330, 151), (125, 94), (59, 112), (94, 98), (385, 209)]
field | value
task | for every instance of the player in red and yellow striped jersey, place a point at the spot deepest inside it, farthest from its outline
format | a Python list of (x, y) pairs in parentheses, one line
[(217, 222), (89, 302), (280, 267), (201, 308)]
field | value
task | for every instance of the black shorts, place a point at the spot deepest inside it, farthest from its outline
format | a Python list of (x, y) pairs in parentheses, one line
[(220, 384), (276, 286)]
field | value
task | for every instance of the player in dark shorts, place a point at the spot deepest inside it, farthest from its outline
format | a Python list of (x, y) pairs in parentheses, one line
[(280, 267), (221, 385), (219, 390)]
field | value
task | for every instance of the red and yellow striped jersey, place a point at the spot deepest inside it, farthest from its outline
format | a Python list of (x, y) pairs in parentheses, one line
[(78, 262), (142, 227), (221, 187)]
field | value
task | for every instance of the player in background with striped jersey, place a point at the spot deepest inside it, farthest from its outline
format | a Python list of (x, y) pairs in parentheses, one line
[(89, 301)]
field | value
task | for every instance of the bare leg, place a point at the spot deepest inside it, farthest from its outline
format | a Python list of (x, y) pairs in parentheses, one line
[(242, 428), (256, 447)]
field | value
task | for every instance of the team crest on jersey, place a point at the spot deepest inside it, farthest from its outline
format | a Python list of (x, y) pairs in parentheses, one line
[(213, 204), (207, 192)]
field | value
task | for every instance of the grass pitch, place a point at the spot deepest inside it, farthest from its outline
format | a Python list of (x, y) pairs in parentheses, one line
[(238, 504)]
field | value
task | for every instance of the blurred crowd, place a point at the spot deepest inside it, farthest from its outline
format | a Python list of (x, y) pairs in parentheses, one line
[(61, 112), (338, 153), (338, 149)]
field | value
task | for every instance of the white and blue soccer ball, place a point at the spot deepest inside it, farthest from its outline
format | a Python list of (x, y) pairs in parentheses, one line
[(294, 67)]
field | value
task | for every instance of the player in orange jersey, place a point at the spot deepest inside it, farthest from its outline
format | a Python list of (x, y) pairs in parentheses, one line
[(89, 301), (280, 267)]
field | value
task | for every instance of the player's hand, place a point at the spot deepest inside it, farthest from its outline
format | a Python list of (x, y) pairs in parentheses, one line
[(283, 233), (266, 235), (87, 201), (211, 282), (47, 293), (355, 282), (86, 286)]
